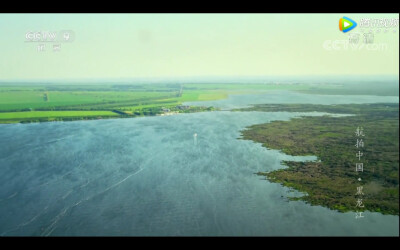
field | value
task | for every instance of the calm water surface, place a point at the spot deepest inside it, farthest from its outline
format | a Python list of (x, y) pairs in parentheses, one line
[(151, 176)]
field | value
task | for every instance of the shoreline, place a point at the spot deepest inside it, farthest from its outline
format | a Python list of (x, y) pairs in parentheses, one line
[(329, 181), (118, 115)]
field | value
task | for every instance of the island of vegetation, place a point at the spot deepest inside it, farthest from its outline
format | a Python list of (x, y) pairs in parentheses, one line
[(332, 180)]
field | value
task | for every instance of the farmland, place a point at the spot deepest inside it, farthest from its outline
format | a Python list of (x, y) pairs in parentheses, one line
[(26, 102), (41, 102)]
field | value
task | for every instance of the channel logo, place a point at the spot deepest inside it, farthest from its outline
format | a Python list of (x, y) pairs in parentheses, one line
[(346, 24)]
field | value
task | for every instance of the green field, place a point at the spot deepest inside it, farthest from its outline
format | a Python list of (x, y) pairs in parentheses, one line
[(41, 114), (33, 103), (136, 99), (14, 100)]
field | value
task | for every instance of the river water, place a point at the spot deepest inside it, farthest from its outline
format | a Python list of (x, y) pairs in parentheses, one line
[(152, 176)]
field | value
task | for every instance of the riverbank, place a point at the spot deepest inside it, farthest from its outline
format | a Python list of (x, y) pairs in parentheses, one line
[(73, 115)]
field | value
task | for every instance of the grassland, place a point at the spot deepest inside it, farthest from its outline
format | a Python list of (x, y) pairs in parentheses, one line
[(14, 117), (37, 103), (60, 102), (131, 100), (332, 180)]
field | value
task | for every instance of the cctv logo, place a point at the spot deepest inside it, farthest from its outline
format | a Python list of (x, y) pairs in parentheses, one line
[(50, 36), (41, 36)]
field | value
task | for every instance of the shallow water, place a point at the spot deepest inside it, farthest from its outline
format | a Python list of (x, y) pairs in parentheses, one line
[(150, 176), (287, 97)]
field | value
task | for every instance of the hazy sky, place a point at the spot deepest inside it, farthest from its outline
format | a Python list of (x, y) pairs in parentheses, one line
[(176, 45)]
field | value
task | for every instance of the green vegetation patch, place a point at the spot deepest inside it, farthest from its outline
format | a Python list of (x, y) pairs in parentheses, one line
[(40, 116), (61, 102), (36, 114), (332, 180)]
